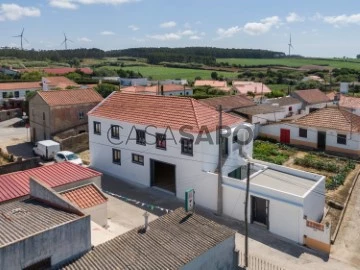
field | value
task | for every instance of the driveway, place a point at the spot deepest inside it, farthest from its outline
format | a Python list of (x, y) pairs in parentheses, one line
[(262, 243), (347, 243)]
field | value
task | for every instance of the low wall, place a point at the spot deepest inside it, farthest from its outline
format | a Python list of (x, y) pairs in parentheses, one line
[(10, 113), (20, 165), (77, 143), (317, 235)]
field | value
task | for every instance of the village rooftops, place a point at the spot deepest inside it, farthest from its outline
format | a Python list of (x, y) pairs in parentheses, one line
[(85, 196), (162, 111), (22, 219), (228, 102), (215, 84), (283, 101), (154, 89), (171, 242), (311, 96), (16, 185), (331, 118), (345, 101), (244, 87), (259, 109), (70, 97), (20, 86)]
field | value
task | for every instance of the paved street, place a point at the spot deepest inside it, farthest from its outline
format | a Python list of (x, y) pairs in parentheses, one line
[(263, 244)]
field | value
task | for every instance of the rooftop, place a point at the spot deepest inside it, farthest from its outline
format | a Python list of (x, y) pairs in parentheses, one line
[(19, 86), (228, 102), (154, 89), (15, 185), (283, 182), (259, 109), (346, 101), (85, 196), (243, 87), (210, 83), (161, 111), (20, 219), (70, 97), (283, 101), (60, 82), (312, 96), (331, 118), (172, 241)]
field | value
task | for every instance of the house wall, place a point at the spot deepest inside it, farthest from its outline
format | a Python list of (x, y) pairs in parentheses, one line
[(317, 106), (222, 256), (22, 92), (61, 244), (189, 171), (98, 213), (352, 146), (266, 117), (39, 128), (314, 202), (188, 92)]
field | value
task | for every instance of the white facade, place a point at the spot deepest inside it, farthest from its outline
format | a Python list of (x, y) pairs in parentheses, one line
[(18, 93), (186, 92)]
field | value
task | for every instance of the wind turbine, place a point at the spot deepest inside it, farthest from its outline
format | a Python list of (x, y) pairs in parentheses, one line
[(21, 36), (290, 46), (65, 41)]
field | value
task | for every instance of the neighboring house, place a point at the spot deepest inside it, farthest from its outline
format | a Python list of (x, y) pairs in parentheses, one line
[(53, 112), (42, 232), (181, 82), (228, 103), (313, 78), (67, 70), (312, 99), (262, 114), (291, 105), (329, 129), (220, 85), (17, 90), (55, 83), (352, 104), (245, 87), (165, 90), (174, 241), (170, 143), (133, 81)]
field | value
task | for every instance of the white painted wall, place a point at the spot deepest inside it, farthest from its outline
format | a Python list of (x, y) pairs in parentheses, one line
[(322, 236), (98, 213), (314, 201), (264, 118), (317, 106), (22, 93), (188, 92)]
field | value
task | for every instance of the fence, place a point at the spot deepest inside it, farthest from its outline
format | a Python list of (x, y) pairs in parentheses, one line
[(77, 143), (257, 263), (20, 165)]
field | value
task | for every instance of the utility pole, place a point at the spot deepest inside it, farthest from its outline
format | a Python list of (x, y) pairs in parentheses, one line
[(220, 195), (246, 215)]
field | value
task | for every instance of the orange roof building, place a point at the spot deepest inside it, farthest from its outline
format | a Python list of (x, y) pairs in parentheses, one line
[(59, 82), (245, 87)]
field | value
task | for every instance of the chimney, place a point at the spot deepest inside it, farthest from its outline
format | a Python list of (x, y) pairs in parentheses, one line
[(146, 226)]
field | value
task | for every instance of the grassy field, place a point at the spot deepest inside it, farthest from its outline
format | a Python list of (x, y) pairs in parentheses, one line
[(163, 73), (294, 62)]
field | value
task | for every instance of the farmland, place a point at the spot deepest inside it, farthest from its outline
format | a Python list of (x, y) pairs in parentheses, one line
[(294, 62)]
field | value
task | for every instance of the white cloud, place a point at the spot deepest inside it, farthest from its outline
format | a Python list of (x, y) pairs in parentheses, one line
[(133, 27), (187, 25), (165, 37), (13, 12), (84, 39), (187, 33), (195, 37), (140, 40), (74, 4), (264, 26), (341, 19), (107, 33), (168, 24), (226, 33), (293, 17)]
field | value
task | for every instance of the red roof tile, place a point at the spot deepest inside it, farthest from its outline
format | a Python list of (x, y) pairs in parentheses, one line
[(59, 82), (312, 96), (70, 97), (19, 86), (66, 70), (154, 89), (243, 87), (161, 111), (15, 185), (228, 102), (85, 196)]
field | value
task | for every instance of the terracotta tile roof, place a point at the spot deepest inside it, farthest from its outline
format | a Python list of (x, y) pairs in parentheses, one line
[(20, 86), (161, 111), (346, 101), (154, 89), (173, 240), (211, 83), (66, 70), (85, 196), (243, 87), (331, 118), (283, 101), (70, 97), (259, 109), (228, 102), (59, 82), (311, 96), (15, 185)]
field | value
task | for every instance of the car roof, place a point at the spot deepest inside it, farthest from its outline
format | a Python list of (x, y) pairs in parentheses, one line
[(65, 152)]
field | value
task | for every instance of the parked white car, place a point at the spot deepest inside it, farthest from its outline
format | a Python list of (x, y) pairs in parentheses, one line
[(68, 156)]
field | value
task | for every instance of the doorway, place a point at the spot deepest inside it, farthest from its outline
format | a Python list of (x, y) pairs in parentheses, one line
[(260, 211), (163, 175), (321, 140), (285, 135)]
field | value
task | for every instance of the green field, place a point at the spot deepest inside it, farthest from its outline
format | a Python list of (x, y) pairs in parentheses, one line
[(163, 73), (294, 62)]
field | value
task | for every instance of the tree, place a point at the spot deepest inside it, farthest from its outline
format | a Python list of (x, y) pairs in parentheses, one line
[(75, 62), (105, 89), (214, 75), (105, 72)]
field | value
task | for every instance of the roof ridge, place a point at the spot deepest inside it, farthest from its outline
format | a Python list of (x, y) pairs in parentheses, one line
[(194, 110)]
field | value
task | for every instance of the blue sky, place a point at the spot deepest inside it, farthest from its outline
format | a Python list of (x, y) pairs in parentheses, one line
[(319, 28)]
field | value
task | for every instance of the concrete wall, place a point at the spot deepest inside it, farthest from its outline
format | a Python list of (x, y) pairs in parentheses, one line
[(316, 106), (265, 118), (222, 256), (188, 92), (22, 92), (40, 128), (61, 244), (10, 113), (98, 214), (20, 165), (314, 201), (96, 180)]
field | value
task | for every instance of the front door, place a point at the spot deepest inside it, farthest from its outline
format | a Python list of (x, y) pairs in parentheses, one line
[(321, 142), (285, 135), (260, 211)]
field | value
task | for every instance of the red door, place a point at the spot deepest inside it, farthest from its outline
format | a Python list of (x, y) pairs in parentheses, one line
[(285, 135)]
